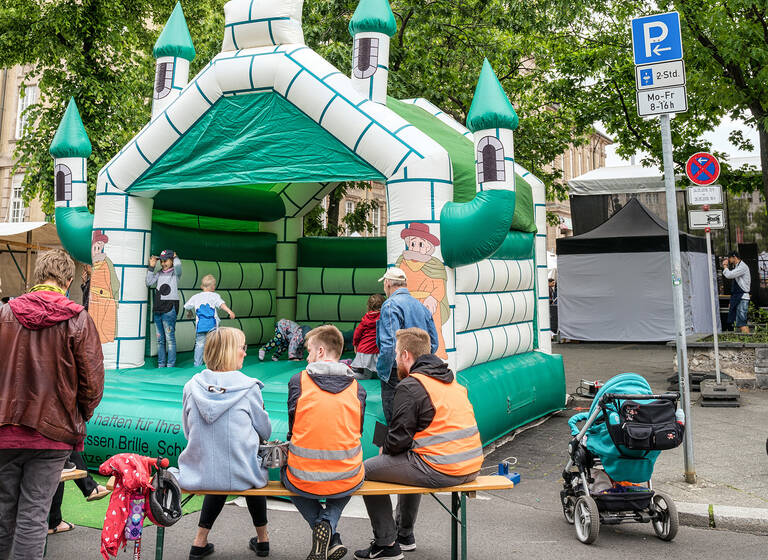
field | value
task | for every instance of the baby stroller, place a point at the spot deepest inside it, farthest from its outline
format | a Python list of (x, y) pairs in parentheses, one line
[(624, 432)]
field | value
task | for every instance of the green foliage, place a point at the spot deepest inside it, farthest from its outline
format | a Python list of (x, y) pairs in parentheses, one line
[(726, 55), (438, 51), (99, 52)]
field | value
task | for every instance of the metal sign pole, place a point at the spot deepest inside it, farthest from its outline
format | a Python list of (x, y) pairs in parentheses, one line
[(677, 294), (714, 307)]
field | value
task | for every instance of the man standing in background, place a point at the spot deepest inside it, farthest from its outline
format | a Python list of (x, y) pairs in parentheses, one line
[(740, 288)]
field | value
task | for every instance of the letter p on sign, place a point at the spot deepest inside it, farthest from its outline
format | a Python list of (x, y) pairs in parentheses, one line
[(650, 39)]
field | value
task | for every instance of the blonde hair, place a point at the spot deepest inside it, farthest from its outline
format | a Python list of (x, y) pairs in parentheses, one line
[(414, 340), (54, 265), (208, 281), (221, 346), (329, 337)]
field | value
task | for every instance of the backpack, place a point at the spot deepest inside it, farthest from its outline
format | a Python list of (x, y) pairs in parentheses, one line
[(206, 318)]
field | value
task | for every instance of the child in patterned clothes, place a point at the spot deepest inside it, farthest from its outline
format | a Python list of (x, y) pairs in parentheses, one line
[(288, 335)]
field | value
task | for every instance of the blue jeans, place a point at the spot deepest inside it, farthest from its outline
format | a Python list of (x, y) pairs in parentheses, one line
[(199, 347), (165, 324), (312, 510), (741, 313)]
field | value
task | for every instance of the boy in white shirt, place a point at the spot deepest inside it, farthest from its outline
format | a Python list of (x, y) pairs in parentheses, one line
[(204, 306)]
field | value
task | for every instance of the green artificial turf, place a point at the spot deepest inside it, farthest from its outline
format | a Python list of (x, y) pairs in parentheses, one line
[(91, 514)]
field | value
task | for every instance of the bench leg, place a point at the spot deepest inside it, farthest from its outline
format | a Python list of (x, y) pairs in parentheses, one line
[(159, 543), (455, 505), (463, 526)]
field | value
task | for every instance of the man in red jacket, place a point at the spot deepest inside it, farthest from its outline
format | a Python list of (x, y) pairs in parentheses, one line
[(51, 380)]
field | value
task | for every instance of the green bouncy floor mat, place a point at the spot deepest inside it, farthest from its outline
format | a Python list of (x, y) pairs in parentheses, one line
[(141, 408)]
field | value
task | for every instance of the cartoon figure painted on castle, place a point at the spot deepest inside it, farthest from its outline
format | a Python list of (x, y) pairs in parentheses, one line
[(105, 289), (426, 275)]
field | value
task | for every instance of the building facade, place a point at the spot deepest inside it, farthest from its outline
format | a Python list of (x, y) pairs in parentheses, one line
[(16, 94)]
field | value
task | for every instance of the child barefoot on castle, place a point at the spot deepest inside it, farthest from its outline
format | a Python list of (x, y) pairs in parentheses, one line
[(364, 340), (204, 306), (288, 335)]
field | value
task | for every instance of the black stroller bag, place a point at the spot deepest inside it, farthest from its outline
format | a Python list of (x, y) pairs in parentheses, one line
[(649, 426)]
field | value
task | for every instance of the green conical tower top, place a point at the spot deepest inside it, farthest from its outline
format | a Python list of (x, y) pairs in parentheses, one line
[(373, 16), (70, 139), (175, 39), (490, 105)]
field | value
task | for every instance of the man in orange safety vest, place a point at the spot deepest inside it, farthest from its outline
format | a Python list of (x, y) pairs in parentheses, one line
[(326, 407), (432, 441)]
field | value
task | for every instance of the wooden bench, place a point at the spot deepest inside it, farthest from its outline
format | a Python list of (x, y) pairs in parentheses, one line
[(457, 511)]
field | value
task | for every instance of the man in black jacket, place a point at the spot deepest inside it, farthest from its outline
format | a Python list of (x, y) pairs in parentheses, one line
[(432, 441)]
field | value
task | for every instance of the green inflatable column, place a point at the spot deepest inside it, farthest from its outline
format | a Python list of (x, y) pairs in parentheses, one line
[(288, 231)]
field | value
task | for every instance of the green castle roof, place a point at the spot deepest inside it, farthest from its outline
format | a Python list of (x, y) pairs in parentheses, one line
[(70, 139), (175, 39), (373, 16), (490, 106)]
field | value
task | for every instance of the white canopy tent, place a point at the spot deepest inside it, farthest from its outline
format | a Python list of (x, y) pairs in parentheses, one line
[(18, 242), (635, 178)]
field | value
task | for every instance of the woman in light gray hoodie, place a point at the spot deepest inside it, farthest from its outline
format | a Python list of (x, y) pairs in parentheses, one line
[(224, 421)]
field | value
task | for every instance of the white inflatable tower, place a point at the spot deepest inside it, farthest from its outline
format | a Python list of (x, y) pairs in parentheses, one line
[(70, 150), (371, 27), (173, 52)]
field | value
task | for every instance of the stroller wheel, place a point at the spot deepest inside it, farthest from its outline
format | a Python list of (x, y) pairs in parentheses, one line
[(586, 519), (667, 522), (568, 507)]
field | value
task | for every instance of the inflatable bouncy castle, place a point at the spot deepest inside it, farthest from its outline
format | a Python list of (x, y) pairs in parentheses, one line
[(224, 173)]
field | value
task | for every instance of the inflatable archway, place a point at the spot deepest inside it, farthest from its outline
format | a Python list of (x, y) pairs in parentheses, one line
[(224, 173)]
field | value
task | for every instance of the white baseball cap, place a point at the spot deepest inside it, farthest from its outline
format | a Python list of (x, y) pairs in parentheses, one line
[(394, 273)]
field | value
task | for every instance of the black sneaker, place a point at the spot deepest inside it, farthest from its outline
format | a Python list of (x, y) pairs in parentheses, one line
[(336, 550), (198, 552), (260, 548), (375, 551), (321, 538), (69, 466), (407, 544)]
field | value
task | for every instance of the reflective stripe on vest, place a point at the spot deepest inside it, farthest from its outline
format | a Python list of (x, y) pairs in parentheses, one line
[(451, 443), (325, 456)]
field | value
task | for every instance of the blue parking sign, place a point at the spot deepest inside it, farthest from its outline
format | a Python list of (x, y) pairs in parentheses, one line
[(646, 77), (657, 38)]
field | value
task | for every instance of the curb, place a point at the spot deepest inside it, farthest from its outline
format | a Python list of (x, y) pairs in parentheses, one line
[(727, 518)]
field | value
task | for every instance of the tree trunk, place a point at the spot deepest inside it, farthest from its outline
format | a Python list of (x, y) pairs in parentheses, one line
[(332, 214), (761, 128)]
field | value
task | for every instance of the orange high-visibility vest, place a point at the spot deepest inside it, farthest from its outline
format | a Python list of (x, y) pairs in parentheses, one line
[(325, 456), (451, 443)]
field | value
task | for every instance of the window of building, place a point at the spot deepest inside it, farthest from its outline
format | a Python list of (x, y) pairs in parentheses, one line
[(750, 217), (63, 183), (366, 57), (490, 160), (22, 118), (349, 207), (375, 220), (324, 206), (163, 79), (16, 210)]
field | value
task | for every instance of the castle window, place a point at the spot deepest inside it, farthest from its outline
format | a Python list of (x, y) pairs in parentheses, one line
[(63, 183), (163, 79), (365, 57), (490, 160)]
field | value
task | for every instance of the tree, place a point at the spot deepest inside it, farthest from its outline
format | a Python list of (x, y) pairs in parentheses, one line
[(356, 221), (100, 53), (726, 53)]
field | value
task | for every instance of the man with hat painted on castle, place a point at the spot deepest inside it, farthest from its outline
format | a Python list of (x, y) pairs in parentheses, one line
[(426, 276), (104, 289)]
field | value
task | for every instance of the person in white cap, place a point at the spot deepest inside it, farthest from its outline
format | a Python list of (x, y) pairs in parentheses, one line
[(400, 311)]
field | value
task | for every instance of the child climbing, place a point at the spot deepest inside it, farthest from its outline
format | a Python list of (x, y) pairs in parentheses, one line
[(364, 340), (165, 305), (204, 306), (288, 335)]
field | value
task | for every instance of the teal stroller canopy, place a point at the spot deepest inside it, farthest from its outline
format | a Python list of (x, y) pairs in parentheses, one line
[(620, 463)]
